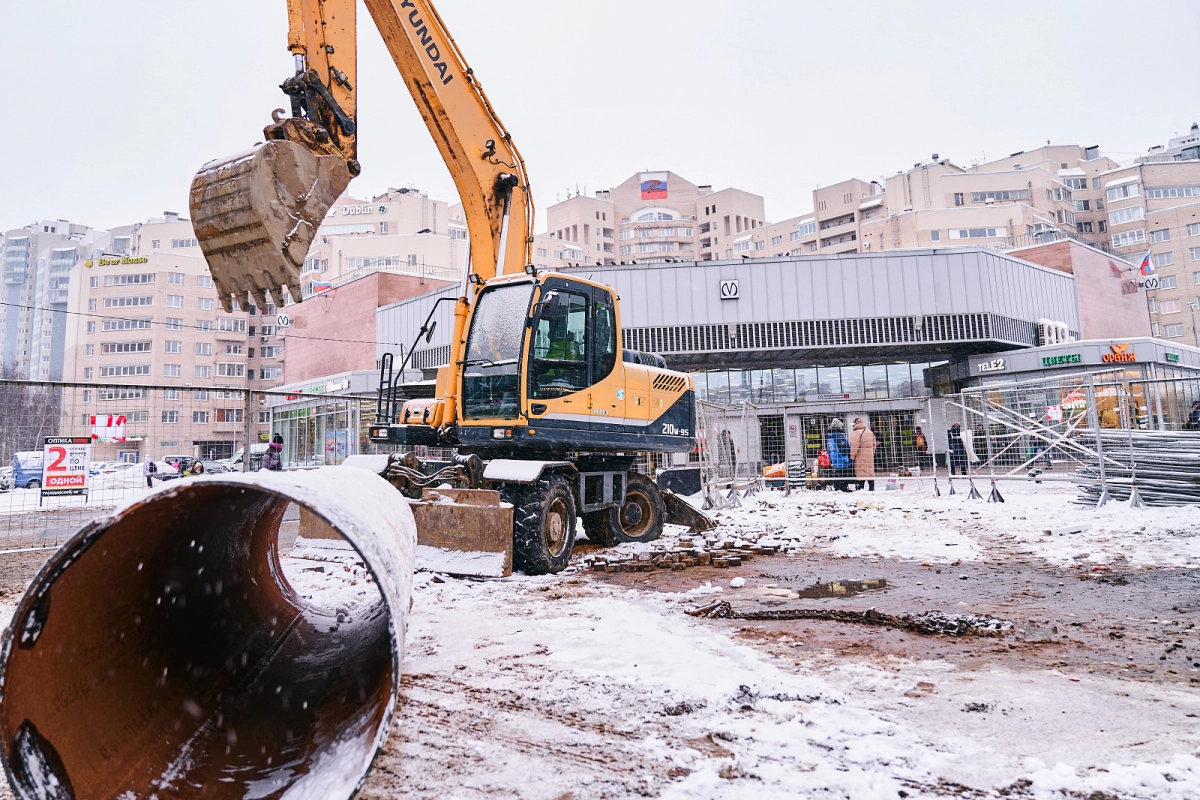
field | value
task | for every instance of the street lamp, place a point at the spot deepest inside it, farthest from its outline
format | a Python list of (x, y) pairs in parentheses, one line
[(1191, 304)]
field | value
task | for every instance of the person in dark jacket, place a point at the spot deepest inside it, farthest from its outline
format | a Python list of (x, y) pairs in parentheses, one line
[(838, 447), (1193, 421), (958, 451), (273, 459)]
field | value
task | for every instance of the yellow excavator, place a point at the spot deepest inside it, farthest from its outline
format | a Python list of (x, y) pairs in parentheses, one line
[(539, 399)]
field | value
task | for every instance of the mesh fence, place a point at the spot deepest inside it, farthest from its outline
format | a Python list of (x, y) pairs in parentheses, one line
[(71, 452)]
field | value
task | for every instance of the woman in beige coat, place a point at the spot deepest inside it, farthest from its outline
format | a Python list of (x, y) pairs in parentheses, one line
[(862, 450)]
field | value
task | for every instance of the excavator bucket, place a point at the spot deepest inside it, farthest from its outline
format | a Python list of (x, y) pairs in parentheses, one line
[(256, 213)]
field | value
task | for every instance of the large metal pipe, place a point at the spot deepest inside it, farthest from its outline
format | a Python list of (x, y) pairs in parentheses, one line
[(162, 652)]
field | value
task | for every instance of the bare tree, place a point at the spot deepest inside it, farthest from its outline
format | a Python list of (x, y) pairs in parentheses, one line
[(29, 412)]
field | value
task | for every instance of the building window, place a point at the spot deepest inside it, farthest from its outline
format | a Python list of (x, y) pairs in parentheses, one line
[(233, 349), (1076, 183), (1121, 192), (127, 302), (87, 373), (124, 370), (1163, 260), (958, 199), (1095, 183), (1152, 305), (983, 197), (174, 301), (1168, 307), (264, 418), (87, 395), (270, 373), (1083, 227), (90, 350), (1193, 229), (154, 244), (1173, 331), (1083, 205), (172, 371), (91, 327), (935, 236), (1172, 192), (203, 372), (172, 347), (776, 241), (204, 348), (178, 244), (230, 370), (1155, 330), (541, 251), (204, 304), (1126, 238), (760, 245), (199, 417), (128, 280), (204, 325), (175, 278), (108, 348), (170, 418), (977, 233), (1163, 235), (1123, 215), (94, 282), (230, 415), (1167, 282), (173, 324), (1194, 254), (271, 351), (1102, 226)]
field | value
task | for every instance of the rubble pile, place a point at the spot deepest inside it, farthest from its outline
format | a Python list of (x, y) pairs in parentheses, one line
[(711, 551)]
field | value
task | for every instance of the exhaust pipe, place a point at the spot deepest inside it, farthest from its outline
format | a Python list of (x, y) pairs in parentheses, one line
[(163, 653)]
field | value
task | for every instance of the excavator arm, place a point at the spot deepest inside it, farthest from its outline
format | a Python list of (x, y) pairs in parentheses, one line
[(257, 213)]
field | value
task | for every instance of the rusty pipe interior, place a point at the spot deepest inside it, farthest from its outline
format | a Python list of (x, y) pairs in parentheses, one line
[(163, 653)]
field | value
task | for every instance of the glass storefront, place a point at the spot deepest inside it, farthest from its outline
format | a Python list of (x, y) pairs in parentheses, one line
[(762, 386), (316, 434)]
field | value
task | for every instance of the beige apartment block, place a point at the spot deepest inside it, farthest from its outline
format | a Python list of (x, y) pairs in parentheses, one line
[(653, 217), (144, 311), (590, 223), (401, 231)]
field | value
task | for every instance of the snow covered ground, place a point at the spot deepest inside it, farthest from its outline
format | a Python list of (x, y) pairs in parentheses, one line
[(567, 686)]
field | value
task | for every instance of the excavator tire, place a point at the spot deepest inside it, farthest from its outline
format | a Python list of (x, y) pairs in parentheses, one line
[(595, 525), (543, 524), (639, 520)]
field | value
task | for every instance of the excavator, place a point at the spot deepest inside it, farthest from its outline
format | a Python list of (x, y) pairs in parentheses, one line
[(546, 410)]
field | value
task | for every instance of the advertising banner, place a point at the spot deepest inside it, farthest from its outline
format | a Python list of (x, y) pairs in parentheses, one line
[(65, 464)]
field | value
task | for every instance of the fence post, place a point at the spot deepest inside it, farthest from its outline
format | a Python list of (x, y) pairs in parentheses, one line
[(247, 427), (987, 432), (1157, 399), (1095, 419), (962, 397), (930, 441)]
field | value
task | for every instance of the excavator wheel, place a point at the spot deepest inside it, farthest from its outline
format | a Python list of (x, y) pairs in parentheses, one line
[(543, 524), (639, 520)]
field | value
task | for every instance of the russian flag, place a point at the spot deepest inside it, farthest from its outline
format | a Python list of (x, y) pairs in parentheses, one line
[(321, 286), (1147, 266)]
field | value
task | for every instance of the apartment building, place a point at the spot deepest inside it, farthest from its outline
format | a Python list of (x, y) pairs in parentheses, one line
[(401, 231), (39, 261), (143, 310), (655, 217), (1154, 208)]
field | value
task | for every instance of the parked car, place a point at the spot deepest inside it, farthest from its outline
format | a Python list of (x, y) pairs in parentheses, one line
[(6, 479), (27, 469), (257, 450), (213, 467)]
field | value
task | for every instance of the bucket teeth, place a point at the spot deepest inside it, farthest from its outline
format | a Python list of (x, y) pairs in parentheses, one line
[(256, 214)]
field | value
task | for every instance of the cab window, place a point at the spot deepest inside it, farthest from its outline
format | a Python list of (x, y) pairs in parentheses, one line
[(604, 347), (560, 351)]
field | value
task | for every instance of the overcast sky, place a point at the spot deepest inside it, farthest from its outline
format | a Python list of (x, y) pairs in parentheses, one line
[(111, 107)]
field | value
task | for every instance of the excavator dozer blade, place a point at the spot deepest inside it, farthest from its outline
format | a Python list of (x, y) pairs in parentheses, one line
[(163, 651), (680, 513), (256, 213)]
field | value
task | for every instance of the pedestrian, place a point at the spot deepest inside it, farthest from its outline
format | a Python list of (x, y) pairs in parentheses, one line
[(838, 447), (1193, 421), (272, 460), (862, 453), (921, 445), (195, 468), (149, 469), (958, 450)]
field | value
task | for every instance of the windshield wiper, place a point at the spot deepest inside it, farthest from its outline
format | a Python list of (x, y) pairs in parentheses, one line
[(487, 361)]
